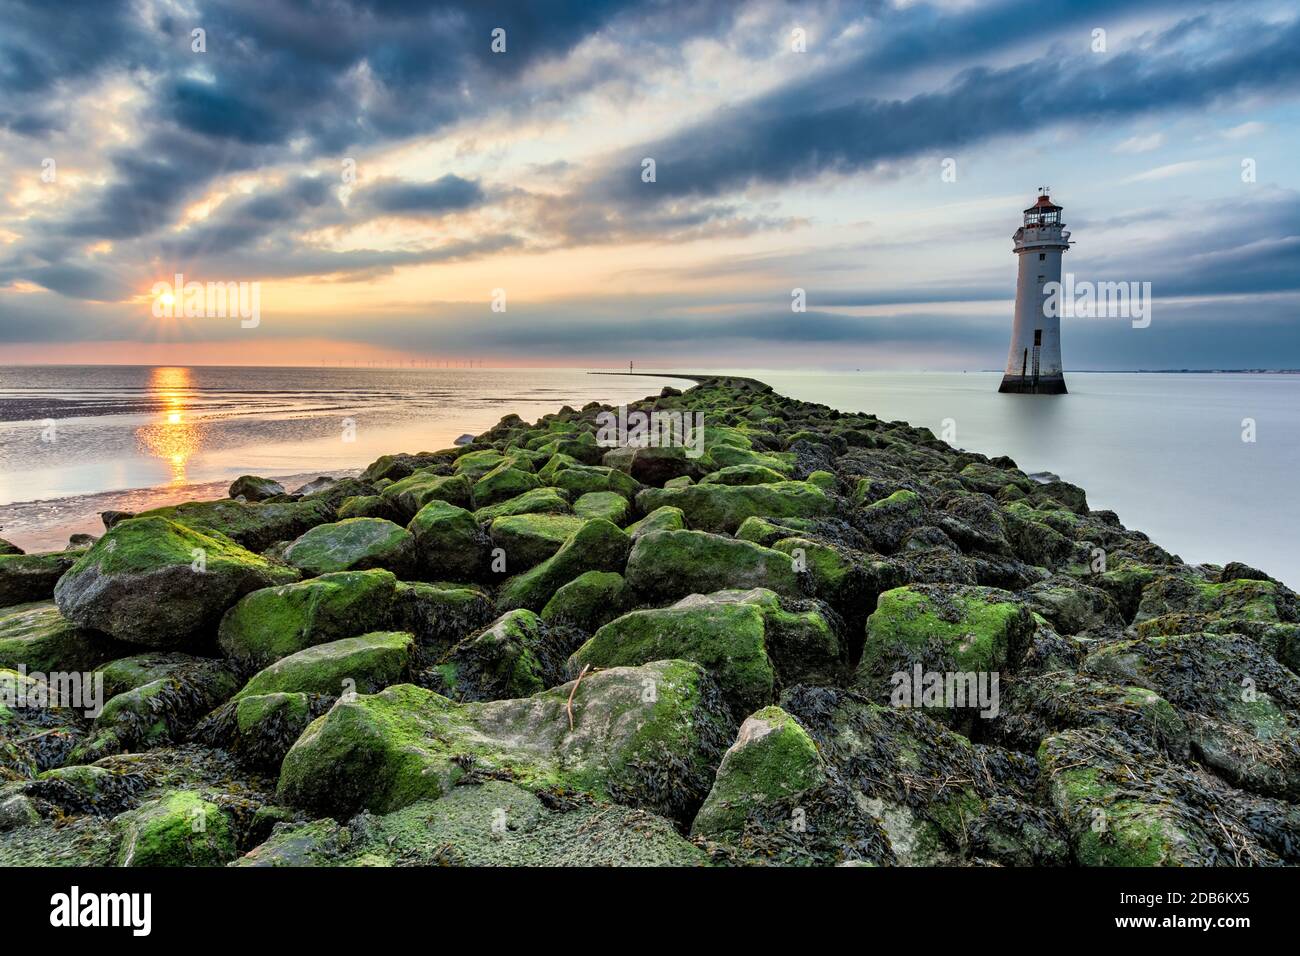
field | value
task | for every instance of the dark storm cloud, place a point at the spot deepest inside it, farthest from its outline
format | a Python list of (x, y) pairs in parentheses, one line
[(449, 193), (790, 135)]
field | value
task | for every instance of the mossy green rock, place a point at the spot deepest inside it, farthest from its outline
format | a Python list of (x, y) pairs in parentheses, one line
[(529, 539), (368, 506), (355, 544), (179, 828), (31, 577), (448, 543), (40, 638), (609, 505), (275, 622), (588, 601), (475, 464), (722, 508), (158, 583), (597, 546), (736, 635), (253, 488), (666, 518), (253, 525), (415, 491), (772, 759), (537, 501), (665, 565), (743, 475), (944, 628), (362, 665), (503, 483), (887, 522), (645, 736)]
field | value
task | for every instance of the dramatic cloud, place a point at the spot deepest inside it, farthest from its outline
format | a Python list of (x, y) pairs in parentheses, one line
[(638, 173)]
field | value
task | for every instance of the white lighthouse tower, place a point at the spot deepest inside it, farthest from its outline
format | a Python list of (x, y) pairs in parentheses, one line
[(1034, 362)]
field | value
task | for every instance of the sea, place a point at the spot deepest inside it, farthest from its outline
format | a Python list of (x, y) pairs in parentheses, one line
[(1205, 463)]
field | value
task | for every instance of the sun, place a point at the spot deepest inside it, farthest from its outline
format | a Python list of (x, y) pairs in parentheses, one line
[(167, 299)]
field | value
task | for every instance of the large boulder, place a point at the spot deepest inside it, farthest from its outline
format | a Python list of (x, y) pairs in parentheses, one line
[(665, 565), (448, 545), (722, 508), (772, 760), (272, 623), (31, 577), (412, 493), (943, 629), (38, 637), (642, 736), (158, 583), (253, 488), (537, 501), (502, 483), (529, 539), (354, 544), (362, 665), (597, 546), (179, 828), (745, 639), (588, 601), (253, 525)]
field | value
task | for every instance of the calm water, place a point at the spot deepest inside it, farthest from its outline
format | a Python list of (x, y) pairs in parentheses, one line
[(1164, 451)]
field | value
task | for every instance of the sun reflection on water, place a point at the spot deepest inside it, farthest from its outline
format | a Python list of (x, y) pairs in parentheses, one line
[(171, 438)]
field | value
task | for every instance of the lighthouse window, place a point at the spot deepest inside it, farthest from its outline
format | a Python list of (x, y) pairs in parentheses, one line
[(1038, 337), (1042, 256)]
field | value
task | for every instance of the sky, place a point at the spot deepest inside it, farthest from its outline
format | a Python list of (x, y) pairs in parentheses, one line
[(469, 181)]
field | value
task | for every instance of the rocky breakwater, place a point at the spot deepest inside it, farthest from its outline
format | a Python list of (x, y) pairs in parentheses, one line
[(812, 638)]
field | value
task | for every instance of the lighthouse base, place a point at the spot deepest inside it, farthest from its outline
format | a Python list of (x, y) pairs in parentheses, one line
[(1027, 385)]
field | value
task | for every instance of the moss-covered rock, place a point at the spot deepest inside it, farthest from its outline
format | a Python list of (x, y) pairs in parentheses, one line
[(588, 601), (493, 823), (538, 501), (722, 508), (363, 665), (609, 505), (597, 546), (448, 543), (413, 492), (179, 828), (503, 483), (253, 488), (647, 736), (355, 544), (968, 628), (252, 525), (158, 583), (665, 565), (741, 637), (529, 539), (272, 623), (773, 759), (25, 578), (368, 506), (38, 637), (666, 518)]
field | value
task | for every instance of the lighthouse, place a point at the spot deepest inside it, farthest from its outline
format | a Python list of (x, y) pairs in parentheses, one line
[(1034, 362)]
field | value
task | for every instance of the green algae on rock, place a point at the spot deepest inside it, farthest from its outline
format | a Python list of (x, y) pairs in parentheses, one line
[(354, 544), (645, 736), (272, 623), (158, 583)]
